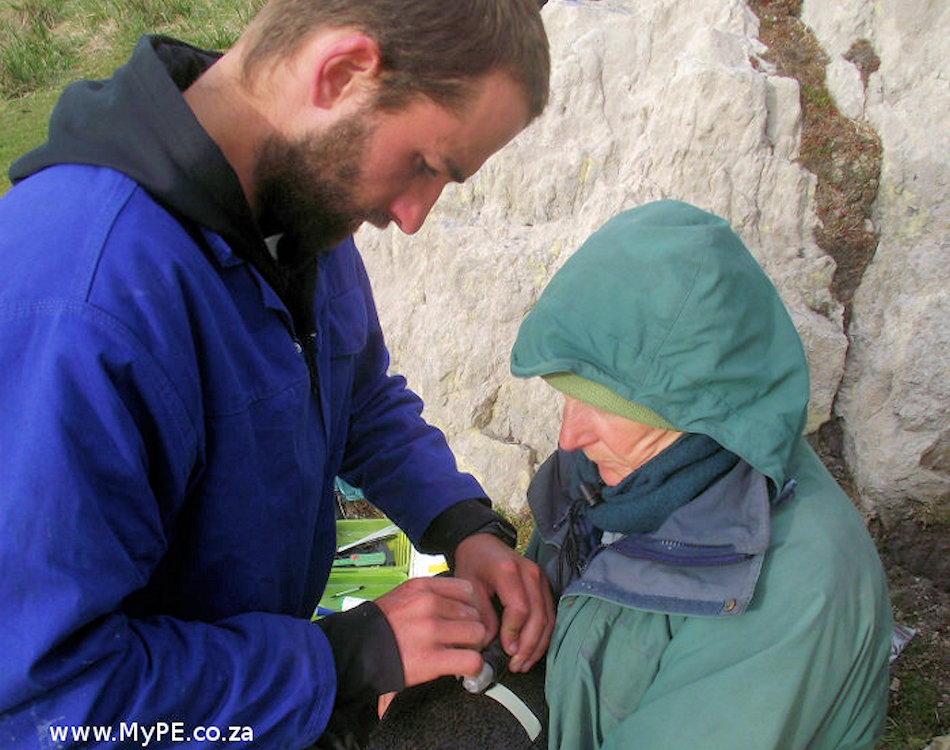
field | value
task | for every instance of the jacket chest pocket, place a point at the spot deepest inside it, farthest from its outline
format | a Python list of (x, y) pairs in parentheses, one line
[(347, 324)]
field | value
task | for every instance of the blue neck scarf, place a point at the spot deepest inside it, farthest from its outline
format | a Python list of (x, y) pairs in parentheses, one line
[(646, 498)]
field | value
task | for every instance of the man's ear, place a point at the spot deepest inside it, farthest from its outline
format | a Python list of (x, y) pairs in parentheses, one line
[(347, 67)]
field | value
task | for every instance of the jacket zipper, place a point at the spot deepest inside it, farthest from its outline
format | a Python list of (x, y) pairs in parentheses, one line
[(671, 552)]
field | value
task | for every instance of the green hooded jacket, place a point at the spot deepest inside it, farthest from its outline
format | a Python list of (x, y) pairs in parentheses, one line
[(665, 307)]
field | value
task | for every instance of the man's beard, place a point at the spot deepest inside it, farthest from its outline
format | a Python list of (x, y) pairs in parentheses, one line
[(305, 189)]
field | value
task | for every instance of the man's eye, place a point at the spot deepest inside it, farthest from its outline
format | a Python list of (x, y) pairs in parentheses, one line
[(427, 169)]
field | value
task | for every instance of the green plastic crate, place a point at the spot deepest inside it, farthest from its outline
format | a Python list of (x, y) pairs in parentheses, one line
[(373, 581), (349, 531)]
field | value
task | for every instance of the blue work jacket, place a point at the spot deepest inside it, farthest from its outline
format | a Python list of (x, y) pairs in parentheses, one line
[(166, 468)]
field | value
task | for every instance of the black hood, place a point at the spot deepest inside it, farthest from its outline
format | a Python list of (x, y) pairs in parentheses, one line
[(138, 123)]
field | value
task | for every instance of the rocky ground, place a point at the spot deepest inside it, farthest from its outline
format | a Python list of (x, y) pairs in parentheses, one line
[(920, 677)]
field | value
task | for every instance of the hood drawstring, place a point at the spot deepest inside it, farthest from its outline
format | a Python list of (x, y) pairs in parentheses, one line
[(581, 539)]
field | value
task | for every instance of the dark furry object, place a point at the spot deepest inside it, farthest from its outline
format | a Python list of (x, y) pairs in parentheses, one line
[(442, 715)]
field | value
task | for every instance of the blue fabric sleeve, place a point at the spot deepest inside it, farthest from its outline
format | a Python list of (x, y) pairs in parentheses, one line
[(402, 463), (97, 453)]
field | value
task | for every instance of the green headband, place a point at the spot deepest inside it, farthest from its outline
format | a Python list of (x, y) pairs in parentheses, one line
[(601, 397)]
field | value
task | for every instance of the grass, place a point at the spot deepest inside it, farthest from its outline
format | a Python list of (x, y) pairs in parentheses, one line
[(523, 522), (23, 126), (45, 44), (31, 52), (912, 718)]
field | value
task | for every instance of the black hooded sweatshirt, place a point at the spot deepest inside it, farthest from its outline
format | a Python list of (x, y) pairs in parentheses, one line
[(138, 123)]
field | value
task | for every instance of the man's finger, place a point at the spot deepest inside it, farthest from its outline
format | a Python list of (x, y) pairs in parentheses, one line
[(528, 627), (487, 612), (536, 632), (458, 633), (455, 661), (442, 597), (451, 588)]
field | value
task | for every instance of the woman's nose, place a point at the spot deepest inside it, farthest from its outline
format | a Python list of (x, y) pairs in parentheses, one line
[(575, 432)]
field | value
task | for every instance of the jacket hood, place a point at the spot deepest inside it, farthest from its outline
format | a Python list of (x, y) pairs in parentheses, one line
[(666, 307), (138, 123)]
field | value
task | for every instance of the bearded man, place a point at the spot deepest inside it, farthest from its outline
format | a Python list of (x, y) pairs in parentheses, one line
[(192, 355)]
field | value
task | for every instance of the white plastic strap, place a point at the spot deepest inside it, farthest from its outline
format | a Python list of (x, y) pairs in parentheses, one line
[(517, 707)]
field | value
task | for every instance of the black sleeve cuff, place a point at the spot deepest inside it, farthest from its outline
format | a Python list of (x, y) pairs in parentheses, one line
[(365, 653), (462, 520)]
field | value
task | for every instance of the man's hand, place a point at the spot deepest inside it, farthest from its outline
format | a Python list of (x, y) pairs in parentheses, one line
[(437, 626), (494, 569)]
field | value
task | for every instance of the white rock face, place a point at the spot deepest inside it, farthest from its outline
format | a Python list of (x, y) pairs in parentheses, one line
[(895, 398), (650, 99)]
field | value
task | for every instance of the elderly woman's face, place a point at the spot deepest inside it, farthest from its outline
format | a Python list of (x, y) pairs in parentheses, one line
[(618, 446)]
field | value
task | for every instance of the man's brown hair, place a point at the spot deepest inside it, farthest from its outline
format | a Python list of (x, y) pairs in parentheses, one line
[(436, 48)]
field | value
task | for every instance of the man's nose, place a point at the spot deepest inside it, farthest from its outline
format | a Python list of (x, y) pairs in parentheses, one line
[(409, 209)]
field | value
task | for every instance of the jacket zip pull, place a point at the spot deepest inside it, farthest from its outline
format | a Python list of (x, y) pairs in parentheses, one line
[(590, 494)]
